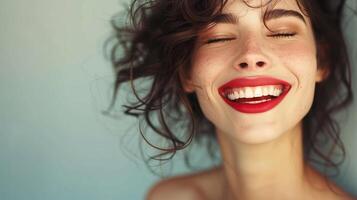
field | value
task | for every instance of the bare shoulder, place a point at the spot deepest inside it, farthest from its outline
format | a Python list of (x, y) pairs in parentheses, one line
[(340, 194), (175, 189), (327, 189), (185, 187)]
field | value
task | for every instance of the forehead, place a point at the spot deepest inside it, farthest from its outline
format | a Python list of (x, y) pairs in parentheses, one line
[(235, 6), (268, 9)]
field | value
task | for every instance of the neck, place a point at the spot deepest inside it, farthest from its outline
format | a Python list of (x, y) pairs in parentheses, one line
[(264, 171)]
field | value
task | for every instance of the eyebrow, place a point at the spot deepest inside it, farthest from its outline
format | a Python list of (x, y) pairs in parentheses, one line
[(229, 18), (278, 13), (226, 18)]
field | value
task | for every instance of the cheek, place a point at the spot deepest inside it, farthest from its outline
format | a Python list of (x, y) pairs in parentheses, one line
[(206, 68), (210, 64), (301, 61)]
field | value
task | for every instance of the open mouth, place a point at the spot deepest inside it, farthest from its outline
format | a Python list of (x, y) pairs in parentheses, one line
[(254, 95)]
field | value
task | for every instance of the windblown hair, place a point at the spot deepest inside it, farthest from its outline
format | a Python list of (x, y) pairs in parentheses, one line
[(158, 45)]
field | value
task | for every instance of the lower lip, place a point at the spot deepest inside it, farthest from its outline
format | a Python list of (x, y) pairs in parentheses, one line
[(258, 107)]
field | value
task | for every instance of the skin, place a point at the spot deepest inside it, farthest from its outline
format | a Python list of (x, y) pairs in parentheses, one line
[(262, 153)]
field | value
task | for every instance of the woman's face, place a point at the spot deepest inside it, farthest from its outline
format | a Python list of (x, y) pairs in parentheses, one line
[(252, 83)]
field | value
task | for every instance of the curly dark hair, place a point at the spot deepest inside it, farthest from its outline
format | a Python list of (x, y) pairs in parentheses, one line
[(158, 43)]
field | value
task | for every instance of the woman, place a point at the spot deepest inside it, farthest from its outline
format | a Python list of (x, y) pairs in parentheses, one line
[(266, 75)]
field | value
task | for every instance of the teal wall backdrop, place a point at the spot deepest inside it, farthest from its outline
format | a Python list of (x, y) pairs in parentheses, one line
[(55, 143)]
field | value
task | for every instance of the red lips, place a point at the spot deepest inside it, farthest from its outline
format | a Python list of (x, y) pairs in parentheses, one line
[(253, 82)]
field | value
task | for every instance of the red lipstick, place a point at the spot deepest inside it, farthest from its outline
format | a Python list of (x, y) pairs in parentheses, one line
[(254, 104)]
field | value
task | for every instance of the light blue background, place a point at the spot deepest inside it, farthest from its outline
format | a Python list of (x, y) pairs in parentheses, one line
[(54, 83)]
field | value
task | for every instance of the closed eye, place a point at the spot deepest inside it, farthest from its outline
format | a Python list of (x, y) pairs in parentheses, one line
[(276, 35), (215, 40), (282, 35)]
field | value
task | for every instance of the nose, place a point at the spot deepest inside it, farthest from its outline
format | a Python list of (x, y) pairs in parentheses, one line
[(251, 56)]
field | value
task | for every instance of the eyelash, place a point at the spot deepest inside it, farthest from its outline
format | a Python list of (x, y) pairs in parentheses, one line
[(277, 35), (283, 35), (214, 40)]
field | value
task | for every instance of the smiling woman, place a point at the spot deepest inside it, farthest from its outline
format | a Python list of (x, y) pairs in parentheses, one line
[(265, 77)]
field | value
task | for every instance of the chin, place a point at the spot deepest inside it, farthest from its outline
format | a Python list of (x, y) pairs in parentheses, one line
[(257, 134)]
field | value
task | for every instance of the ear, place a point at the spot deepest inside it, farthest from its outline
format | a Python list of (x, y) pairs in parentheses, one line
[(188, 86), (322, 74), (323, 69), (186, 81)]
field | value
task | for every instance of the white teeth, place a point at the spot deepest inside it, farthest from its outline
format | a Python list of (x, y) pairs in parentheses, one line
[(271, 90), (276, 92), (265, 91), (231, 96), (258, 92), (241, 94), (236, 94), (260, 101), (250, 92)]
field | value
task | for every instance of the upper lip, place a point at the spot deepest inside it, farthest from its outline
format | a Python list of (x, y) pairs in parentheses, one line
[(253, 82)]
